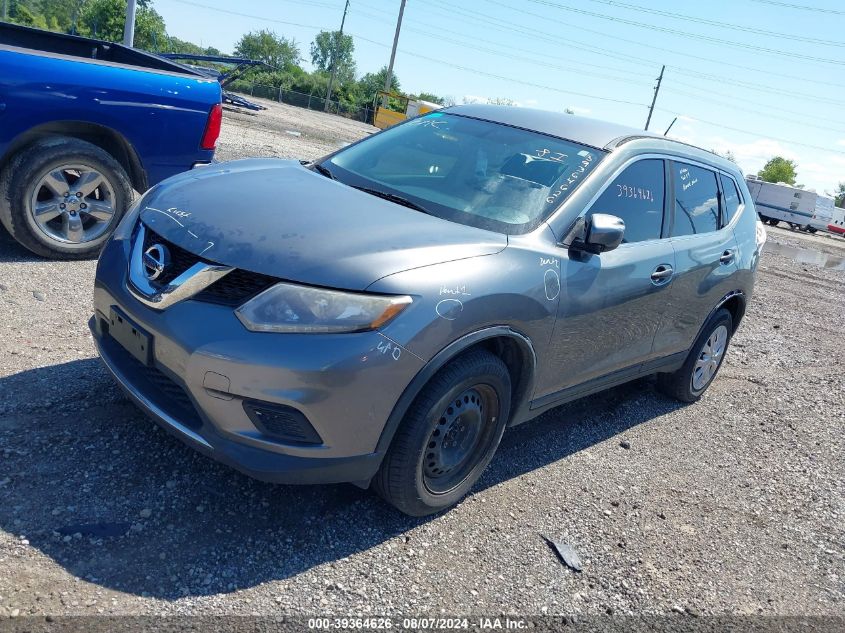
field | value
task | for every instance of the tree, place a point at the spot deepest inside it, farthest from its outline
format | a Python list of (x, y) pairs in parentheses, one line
[(779, 169), (104, 19), (371, 83), (839, 194), (334, 49), (275, 50), (25, 13), (433, 98), (501, 101)]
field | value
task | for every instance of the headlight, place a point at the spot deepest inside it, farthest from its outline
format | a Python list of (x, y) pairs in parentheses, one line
[(292, 308), (130, 218)]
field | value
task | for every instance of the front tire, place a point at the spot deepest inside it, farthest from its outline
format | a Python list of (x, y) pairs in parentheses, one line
[(63, 197), (448, 436), (690, 382)]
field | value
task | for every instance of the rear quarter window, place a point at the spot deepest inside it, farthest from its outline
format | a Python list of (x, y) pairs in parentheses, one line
[(696, 200), (732, 199)]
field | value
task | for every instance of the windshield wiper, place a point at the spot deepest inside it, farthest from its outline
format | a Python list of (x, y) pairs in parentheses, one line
[(386, 195), (323, 170)]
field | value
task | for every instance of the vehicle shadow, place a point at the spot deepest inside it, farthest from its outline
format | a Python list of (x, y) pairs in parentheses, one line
[(98, 488), (11, 251)]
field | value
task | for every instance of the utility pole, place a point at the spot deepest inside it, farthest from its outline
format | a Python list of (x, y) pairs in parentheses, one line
[(389, 76), (5, 9), (654, 99), (334, 58), (670, 126), (129, 25)]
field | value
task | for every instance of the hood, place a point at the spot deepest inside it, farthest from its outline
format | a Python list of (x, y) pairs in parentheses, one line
[(275, 217)]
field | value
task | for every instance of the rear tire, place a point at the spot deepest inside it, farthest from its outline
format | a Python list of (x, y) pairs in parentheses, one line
[(78, 229), (448, 436), (699, 370)]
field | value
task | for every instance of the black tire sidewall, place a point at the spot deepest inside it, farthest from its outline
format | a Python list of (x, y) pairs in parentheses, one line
[(400, 479), (40, 157)]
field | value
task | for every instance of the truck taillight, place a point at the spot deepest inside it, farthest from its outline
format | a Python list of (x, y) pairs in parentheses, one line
[(212, 127)]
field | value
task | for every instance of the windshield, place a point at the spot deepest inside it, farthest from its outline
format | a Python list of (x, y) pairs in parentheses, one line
[(469, 171)]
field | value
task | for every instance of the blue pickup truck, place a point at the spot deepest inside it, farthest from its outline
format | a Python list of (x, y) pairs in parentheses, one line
[(83, 123)]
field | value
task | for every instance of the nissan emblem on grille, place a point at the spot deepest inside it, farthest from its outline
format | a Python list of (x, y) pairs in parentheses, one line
[(156, 259)]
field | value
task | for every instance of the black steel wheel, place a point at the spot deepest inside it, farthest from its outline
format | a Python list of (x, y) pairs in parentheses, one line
[(448, 436), (463, 431)]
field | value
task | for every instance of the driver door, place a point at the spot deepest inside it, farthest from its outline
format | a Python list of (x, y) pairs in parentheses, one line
[(612, 304)]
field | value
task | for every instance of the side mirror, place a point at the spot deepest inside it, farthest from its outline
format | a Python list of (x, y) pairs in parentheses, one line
[(600, 233)]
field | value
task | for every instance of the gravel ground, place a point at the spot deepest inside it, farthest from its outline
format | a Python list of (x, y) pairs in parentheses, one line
[(733, 505)]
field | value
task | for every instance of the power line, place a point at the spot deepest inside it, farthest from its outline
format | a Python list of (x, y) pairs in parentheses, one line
[(247, 15), (533, 33), (503, 78), (720, 24), (707, 93), (789, 5), (511, 56), (752, 133), (707, 38), (717, 78), (733, 106)]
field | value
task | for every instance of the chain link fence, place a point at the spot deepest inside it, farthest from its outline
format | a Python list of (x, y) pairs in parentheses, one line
[(301, 100)]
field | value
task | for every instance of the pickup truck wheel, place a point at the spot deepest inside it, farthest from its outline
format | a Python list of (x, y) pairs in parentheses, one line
[(63, 197), (448, 436), (690, 382)]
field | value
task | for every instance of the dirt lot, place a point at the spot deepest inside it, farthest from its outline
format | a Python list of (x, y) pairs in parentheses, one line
[(732, 505)]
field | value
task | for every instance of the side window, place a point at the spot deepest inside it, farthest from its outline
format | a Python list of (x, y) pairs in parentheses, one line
[(732, 200), (636, 196), (696, 200)]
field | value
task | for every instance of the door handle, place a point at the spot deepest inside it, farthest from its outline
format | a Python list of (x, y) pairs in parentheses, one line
[(662, 274), (727, 257)]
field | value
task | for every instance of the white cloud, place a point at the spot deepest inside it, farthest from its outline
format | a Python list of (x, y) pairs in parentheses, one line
[(841, 141), (816, 170), (467, 99)]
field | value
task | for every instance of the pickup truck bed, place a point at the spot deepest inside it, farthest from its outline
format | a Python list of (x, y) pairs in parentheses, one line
[(75, 110)]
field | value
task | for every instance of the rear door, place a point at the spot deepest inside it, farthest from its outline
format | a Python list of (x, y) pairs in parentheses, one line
[(705, 254)]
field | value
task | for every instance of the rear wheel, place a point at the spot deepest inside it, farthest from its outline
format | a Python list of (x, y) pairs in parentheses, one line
[(690, 382), (63, 197), (448, 436)]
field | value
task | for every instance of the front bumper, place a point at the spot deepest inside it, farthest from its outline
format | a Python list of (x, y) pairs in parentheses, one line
[(206, 365)]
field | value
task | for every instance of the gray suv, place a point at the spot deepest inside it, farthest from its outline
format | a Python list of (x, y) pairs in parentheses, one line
[(382, 315)]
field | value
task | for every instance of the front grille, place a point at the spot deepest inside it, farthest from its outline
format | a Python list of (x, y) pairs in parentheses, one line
[(154, 384), (236, 287), (180, 259), (231, 290)]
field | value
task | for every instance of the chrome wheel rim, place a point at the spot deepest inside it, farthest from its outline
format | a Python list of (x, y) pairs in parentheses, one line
[(73, 204), (709, 358), (460, 438)]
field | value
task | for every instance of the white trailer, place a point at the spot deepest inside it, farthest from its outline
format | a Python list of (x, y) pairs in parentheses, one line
[(780, 202), (837, 221), (824, 215)]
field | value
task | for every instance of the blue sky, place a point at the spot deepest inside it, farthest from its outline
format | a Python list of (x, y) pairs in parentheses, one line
[(752, 76)]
